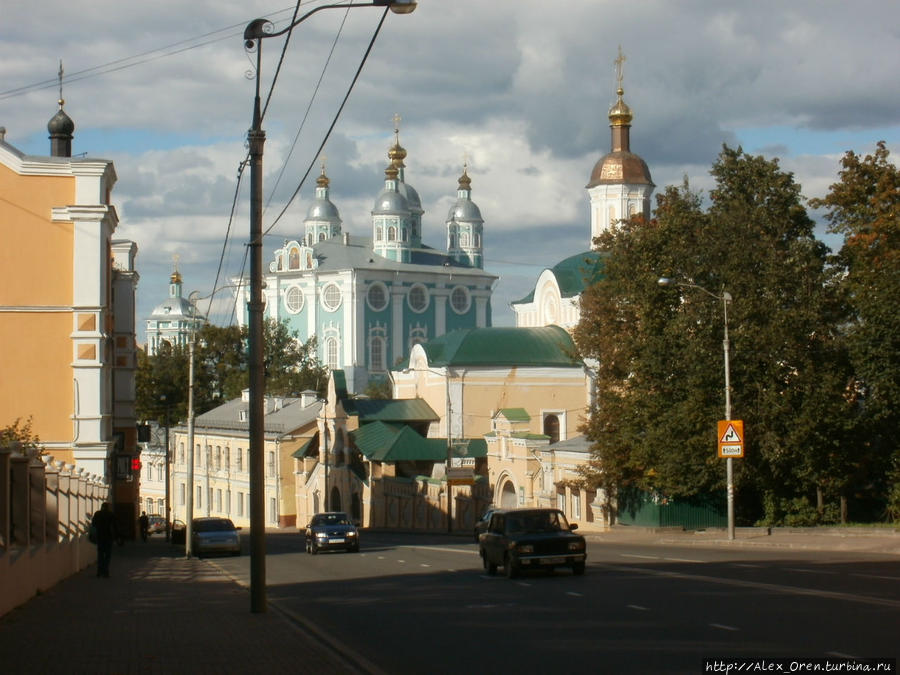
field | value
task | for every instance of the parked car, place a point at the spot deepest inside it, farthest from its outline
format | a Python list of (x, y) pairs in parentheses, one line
[(331, 530), (157, 524), (519, 539), (177, 535), (214, 535), (482, 524)]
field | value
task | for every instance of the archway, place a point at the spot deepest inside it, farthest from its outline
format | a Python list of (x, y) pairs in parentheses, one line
[(335, 500), (551, 428), (508, 496)]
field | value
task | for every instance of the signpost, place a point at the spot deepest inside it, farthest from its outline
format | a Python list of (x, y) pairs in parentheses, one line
[(731, 438)]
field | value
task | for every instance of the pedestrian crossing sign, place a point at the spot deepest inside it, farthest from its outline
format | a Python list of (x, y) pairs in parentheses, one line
[(731, 438)]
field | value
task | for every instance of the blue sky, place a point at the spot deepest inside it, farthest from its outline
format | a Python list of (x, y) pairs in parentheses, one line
[(518, 88)]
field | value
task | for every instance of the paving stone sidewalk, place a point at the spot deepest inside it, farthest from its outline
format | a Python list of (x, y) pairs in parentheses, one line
[(157, 613)]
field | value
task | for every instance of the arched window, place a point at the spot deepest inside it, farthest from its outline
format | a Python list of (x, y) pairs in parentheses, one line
[(551, 428), (331, 353), (378, 233), (321, 236), (294, 262), (392, 233), (376, 354), (464, 239)]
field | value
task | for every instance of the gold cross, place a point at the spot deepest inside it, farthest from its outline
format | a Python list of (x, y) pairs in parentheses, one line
[(620, 62), (61, 101)]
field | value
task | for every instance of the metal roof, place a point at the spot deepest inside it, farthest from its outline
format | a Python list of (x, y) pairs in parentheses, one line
[(573, 275), (547, 346), (390, 410)]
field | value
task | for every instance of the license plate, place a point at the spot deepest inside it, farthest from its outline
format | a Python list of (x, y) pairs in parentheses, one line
[(336, 541), (553, 561)]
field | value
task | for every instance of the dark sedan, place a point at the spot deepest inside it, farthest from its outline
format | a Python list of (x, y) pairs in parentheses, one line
[(329, 531), (522, 539)]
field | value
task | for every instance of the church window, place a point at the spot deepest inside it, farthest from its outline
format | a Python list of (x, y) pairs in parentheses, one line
[(293, 299), (452, 241), (612, 215), (632, 210), (321, 236), (459, 300), (418, 298), (331, 353), (377, 296), (551, 428), (392, 233), (378, 233), (464, 239), (418, 336), (405, 234), (294, 262), (478, 239), (331, 297), (376, 354)]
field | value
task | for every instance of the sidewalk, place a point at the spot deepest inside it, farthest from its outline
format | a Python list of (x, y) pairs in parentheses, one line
[(157, 613)]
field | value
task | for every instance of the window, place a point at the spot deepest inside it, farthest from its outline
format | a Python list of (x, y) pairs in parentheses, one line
[(293, 299), (149, 505), (378, 233), (181, 453), (551, 428), (561, 501), (418, 298), (331, 353), (376, 354), (181, 494), (377, 296), (219, 501), (464, 239), (273, 511), (271, 463), (459, 300), (294, 259), (197, 455), (228, 502), (331, 297), (199, 497), (576, 505), (227, 460), (321, 236), (209, 496), (218, 458), (392, 233), (240, 503), (240, 460)]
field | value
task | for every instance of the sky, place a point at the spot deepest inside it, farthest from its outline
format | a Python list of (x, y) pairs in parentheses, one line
[(517, 89)]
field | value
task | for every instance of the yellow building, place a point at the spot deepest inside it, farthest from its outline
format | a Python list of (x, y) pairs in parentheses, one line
[(67, 312)]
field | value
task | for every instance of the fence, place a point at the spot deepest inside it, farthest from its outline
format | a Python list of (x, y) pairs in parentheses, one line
[(45, 512)]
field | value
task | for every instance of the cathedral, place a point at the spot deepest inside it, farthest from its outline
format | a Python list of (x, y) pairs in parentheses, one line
[(369, 299)]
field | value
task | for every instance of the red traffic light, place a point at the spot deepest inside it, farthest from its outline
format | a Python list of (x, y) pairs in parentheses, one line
[(135, 464)]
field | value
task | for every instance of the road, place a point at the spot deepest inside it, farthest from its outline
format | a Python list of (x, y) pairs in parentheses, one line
[(423, 604)]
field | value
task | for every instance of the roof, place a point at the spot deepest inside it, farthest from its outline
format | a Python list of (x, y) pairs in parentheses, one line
[(390, 410), (515, 414), (576, 444), (282, 417), (573, 275), (547, 346), (383, 442)]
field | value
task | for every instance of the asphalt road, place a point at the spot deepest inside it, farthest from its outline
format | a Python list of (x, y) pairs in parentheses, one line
[(423, 604)]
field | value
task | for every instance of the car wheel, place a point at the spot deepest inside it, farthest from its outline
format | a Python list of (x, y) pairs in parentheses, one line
[(578, 569), (489, 567), (512, 568), (314, 548)]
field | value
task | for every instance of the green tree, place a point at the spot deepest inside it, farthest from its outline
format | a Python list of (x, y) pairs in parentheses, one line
[(660, 378), (221, 370), (21, 434), (864, 206)]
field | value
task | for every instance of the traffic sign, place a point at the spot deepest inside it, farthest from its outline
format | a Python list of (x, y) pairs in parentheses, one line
[(731, 438)]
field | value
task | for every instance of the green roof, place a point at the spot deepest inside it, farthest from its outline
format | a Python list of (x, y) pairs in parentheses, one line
[(382, 442), (546, 346), (515, 414), (390, 410), (300, 452), (573, 275)]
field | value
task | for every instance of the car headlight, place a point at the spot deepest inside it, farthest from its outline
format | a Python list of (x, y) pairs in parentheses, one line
[(576, 545), (321, 535), (351, 534), (525, 548)]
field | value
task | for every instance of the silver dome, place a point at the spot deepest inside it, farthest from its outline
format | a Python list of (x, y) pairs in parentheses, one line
[(412, 197), (391, 202), (175, 307), (465, 209), (323, 209)]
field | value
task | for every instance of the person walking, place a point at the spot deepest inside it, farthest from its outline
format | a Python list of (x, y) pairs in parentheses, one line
[(104, 525), (144, 522)]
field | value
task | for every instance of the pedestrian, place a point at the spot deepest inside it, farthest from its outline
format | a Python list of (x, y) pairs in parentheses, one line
[(145, 525), (104, 526)]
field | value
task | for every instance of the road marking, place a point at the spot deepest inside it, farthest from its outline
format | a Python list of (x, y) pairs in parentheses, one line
[(643, 557), (722, 626), (638, 608), (574, 594), (841, 655), (688, 560), (804, 570), (522, 583), (874, 576), (424, 565), (756, 567), (776, 588), (401, 561)]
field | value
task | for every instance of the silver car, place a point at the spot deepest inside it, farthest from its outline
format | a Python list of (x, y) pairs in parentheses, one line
[(332, 530), (214, 535)]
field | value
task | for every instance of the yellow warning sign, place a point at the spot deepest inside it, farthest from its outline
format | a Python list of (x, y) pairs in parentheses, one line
[(731, 438)]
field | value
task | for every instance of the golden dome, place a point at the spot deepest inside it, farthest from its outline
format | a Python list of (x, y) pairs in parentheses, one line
[(176, 277), (322, 180), (465, 183), (397, 154), (620, 113)]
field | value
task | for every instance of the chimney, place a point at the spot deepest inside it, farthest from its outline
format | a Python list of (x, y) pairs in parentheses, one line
[(307, 398), (346, 238)]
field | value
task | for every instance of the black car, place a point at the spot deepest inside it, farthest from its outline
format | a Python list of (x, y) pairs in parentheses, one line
[(332, 530), (522, 539), (482, 524)]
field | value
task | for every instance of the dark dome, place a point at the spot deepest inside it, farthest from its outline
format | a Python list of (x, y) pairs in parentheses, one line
[(620, 167), (61, 124)]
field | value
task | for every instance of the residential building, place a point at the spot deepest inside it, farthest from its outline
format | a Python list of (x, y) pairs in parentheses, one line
[(68, 332), (221, 459)]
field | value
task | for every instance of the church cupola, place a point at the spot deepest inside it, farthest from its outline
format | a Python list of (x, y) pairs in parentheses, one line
[(465, 226), (397, 215), (620, 186), (323, 221), (61, 127)]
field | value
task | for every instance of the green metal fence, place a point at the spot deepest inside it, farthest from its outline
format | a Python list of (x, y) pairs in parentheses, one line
[(650, 510)]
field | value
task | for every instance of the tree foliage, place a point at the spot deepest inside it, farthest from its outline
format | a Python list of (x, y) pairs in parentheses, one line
[(660, 373), (19, 435), (221, 370)]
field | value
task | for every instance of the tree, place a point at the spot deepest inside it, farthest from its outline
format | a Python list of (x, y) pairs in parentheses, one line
[(20, 436), (221, 370), (864, 206), (660, 378)]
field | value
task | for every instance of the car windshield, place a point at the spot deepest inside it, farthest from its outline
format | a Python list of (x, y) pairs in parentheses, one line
[(214, 525), (537, 521), (331, 519)]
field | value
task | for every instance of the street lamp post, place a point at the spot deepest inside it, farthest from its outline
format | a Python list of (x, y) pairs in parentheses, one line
[(725, 298), (254, 33), (168, 479)]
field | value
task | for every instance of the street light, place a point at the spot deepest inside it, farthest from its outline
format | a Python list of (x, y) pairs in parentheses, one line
[(162, 398), (729, 469), (254, 33)]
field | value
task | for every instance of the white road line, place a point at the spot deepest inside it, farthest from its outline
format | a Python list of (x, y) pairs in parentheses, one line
[(722, 626), (522, 583), (424, 565), (746, 565), (574, 594), (841, 655), (638, 608), (688, 560), (401, 561), (643, 557)]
